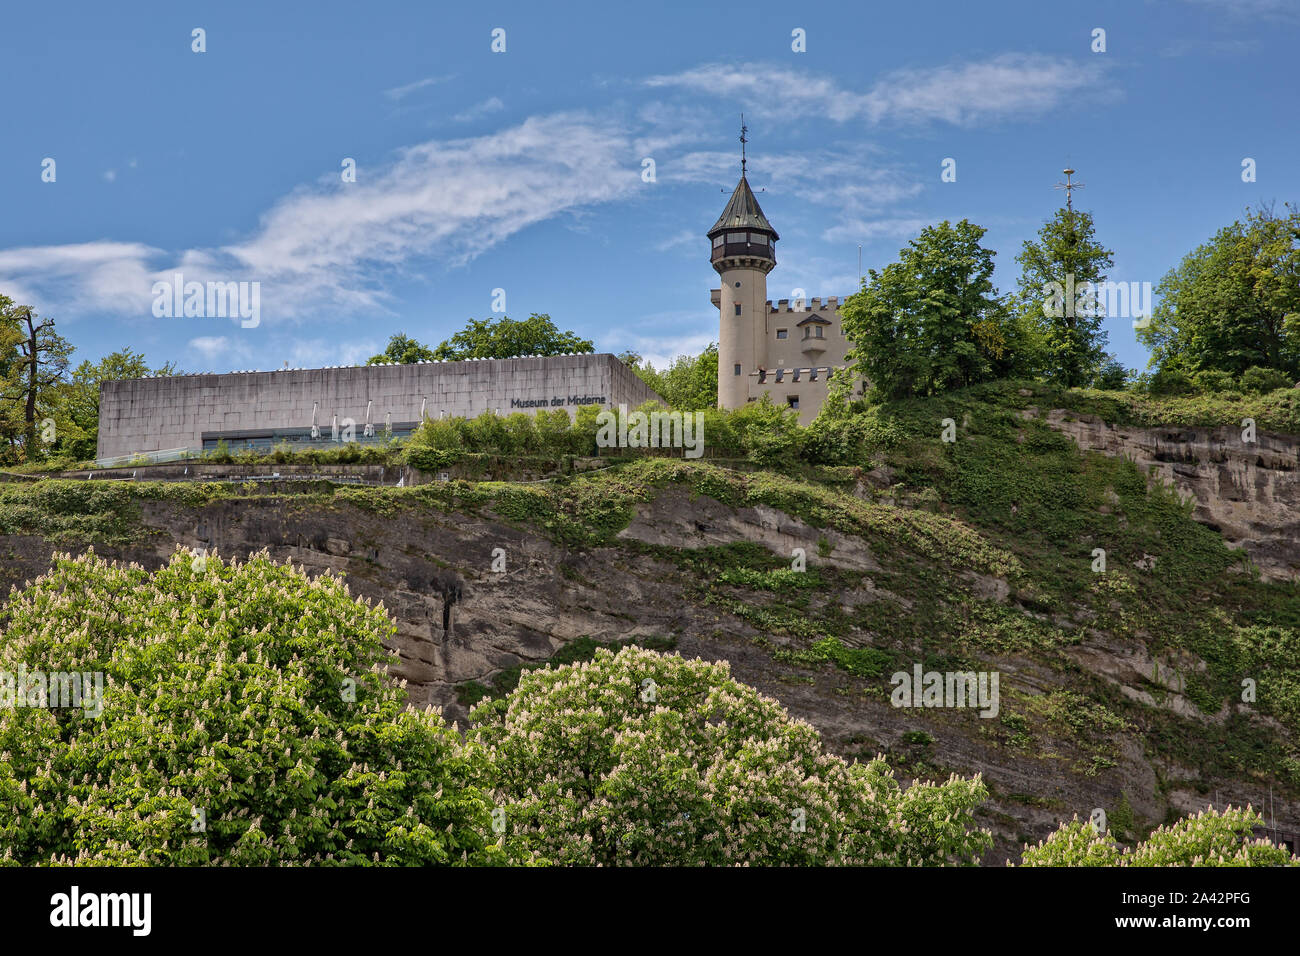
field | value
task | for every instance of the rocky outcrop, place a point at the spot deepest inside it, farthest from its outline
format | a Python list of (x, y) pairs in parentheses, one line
[(1247, 490)]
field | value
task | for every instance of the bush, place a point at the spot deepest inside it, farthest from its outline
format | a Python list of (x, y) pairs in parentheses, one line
[(1170, 381), (1213, 380), (246, 719), (1256, 379), (649, 759)]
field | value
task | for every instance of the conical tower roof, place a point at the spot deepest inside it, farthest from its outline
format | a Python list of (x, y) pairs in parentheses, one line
[(743, 212)]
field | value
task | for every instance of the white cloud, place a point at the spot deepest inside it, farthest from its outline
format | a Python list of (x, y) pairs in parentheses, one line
[(479, 110), (864, 230), (1012, 84), (110, 175), (331, 246), (226, 353), (397, 93), (661, 351), (1282, 9), (451, 199), (81, 277), (210, 347), (684, 238)]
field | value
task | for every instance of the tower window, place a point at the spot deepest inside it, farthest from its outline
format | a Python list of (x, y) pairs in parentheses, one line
[(737, 372), (735, 237), (758, 237), (737, 285), (792, 401), (717, 240), (737, 308), (782, 333)]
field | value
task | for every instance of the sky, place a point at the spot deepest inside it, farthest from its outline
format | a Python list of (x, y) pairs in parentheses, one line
[(525, 169)]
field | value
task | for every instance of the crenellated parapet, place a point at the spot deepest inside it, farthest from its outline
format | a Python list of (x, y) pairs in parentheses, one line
[(815, 304)]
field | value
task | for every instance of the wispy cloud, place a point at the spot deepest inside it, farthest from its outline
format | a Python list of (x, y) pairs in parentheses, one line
[(686, 237), (397, 93), (479, 110), (964, 94), (451, 199), (220, 353), (333, 246), (77, 278), (865, 230), (1280, 9), (330, 249)]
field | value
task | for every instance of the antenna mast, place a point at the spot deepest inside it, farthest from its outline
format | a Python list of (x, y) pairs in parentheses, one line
[(1069, 186), (743, 130)]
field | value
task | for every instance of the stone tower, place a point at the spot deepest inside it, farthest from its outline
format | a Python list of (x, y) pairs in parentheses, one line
[(744, 252)]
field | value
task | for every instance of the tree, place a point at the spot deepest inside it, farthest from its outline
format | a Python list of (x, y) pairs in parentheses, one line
[(506, 338), (33, 364), (1053, 297), (402, 350), (644, 758), (246, 718), (1208, 839), (932, 321), (690, 382), (82, 396), (1234, 302)]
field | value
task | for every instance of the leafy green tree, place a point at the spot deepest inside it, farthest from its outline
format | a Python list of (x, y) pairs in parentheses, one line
[(11, 406), (1056, 271), (33, 369), (246, 719), (689, 383), (1234, 302), (506, 338), (1210, 838), (82, 396), (402, 350), (644, 758), (932, 321)]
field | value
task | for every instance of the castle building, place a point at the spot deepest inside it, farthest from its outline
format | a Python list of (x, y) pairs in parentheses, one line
[(784, 350)]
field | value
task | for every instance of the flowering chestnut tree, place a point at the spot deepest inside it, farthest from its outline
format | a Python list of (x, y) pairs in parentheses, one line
[(246, 719), (1211, 838), (640, 758)]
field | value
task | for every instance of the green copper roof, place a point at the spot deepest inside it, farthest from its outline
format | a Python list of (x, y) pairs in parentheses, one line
[(743, 212)]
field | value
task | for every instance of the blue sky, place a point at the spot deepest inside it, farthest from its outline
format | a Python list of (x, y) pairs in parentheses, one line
[(522, 170)]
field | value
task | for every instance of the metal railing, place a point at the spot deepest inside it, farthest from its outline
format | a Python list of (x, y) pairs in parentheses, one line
[(149, 457)]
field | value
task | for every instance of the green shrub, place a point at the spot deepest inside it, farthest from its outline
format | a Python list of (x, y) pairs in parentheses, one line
[(1170, 381), (1256, 379), (1213, 380)]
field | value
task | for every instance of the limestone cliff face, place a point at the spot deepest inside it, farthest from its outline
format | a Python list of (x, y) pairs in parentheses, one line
[(1247, 491)]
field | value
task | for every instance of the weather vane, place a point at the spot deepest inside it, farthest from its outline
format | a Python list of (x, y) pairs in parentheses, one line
[(1069, 186), (743, 161)]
